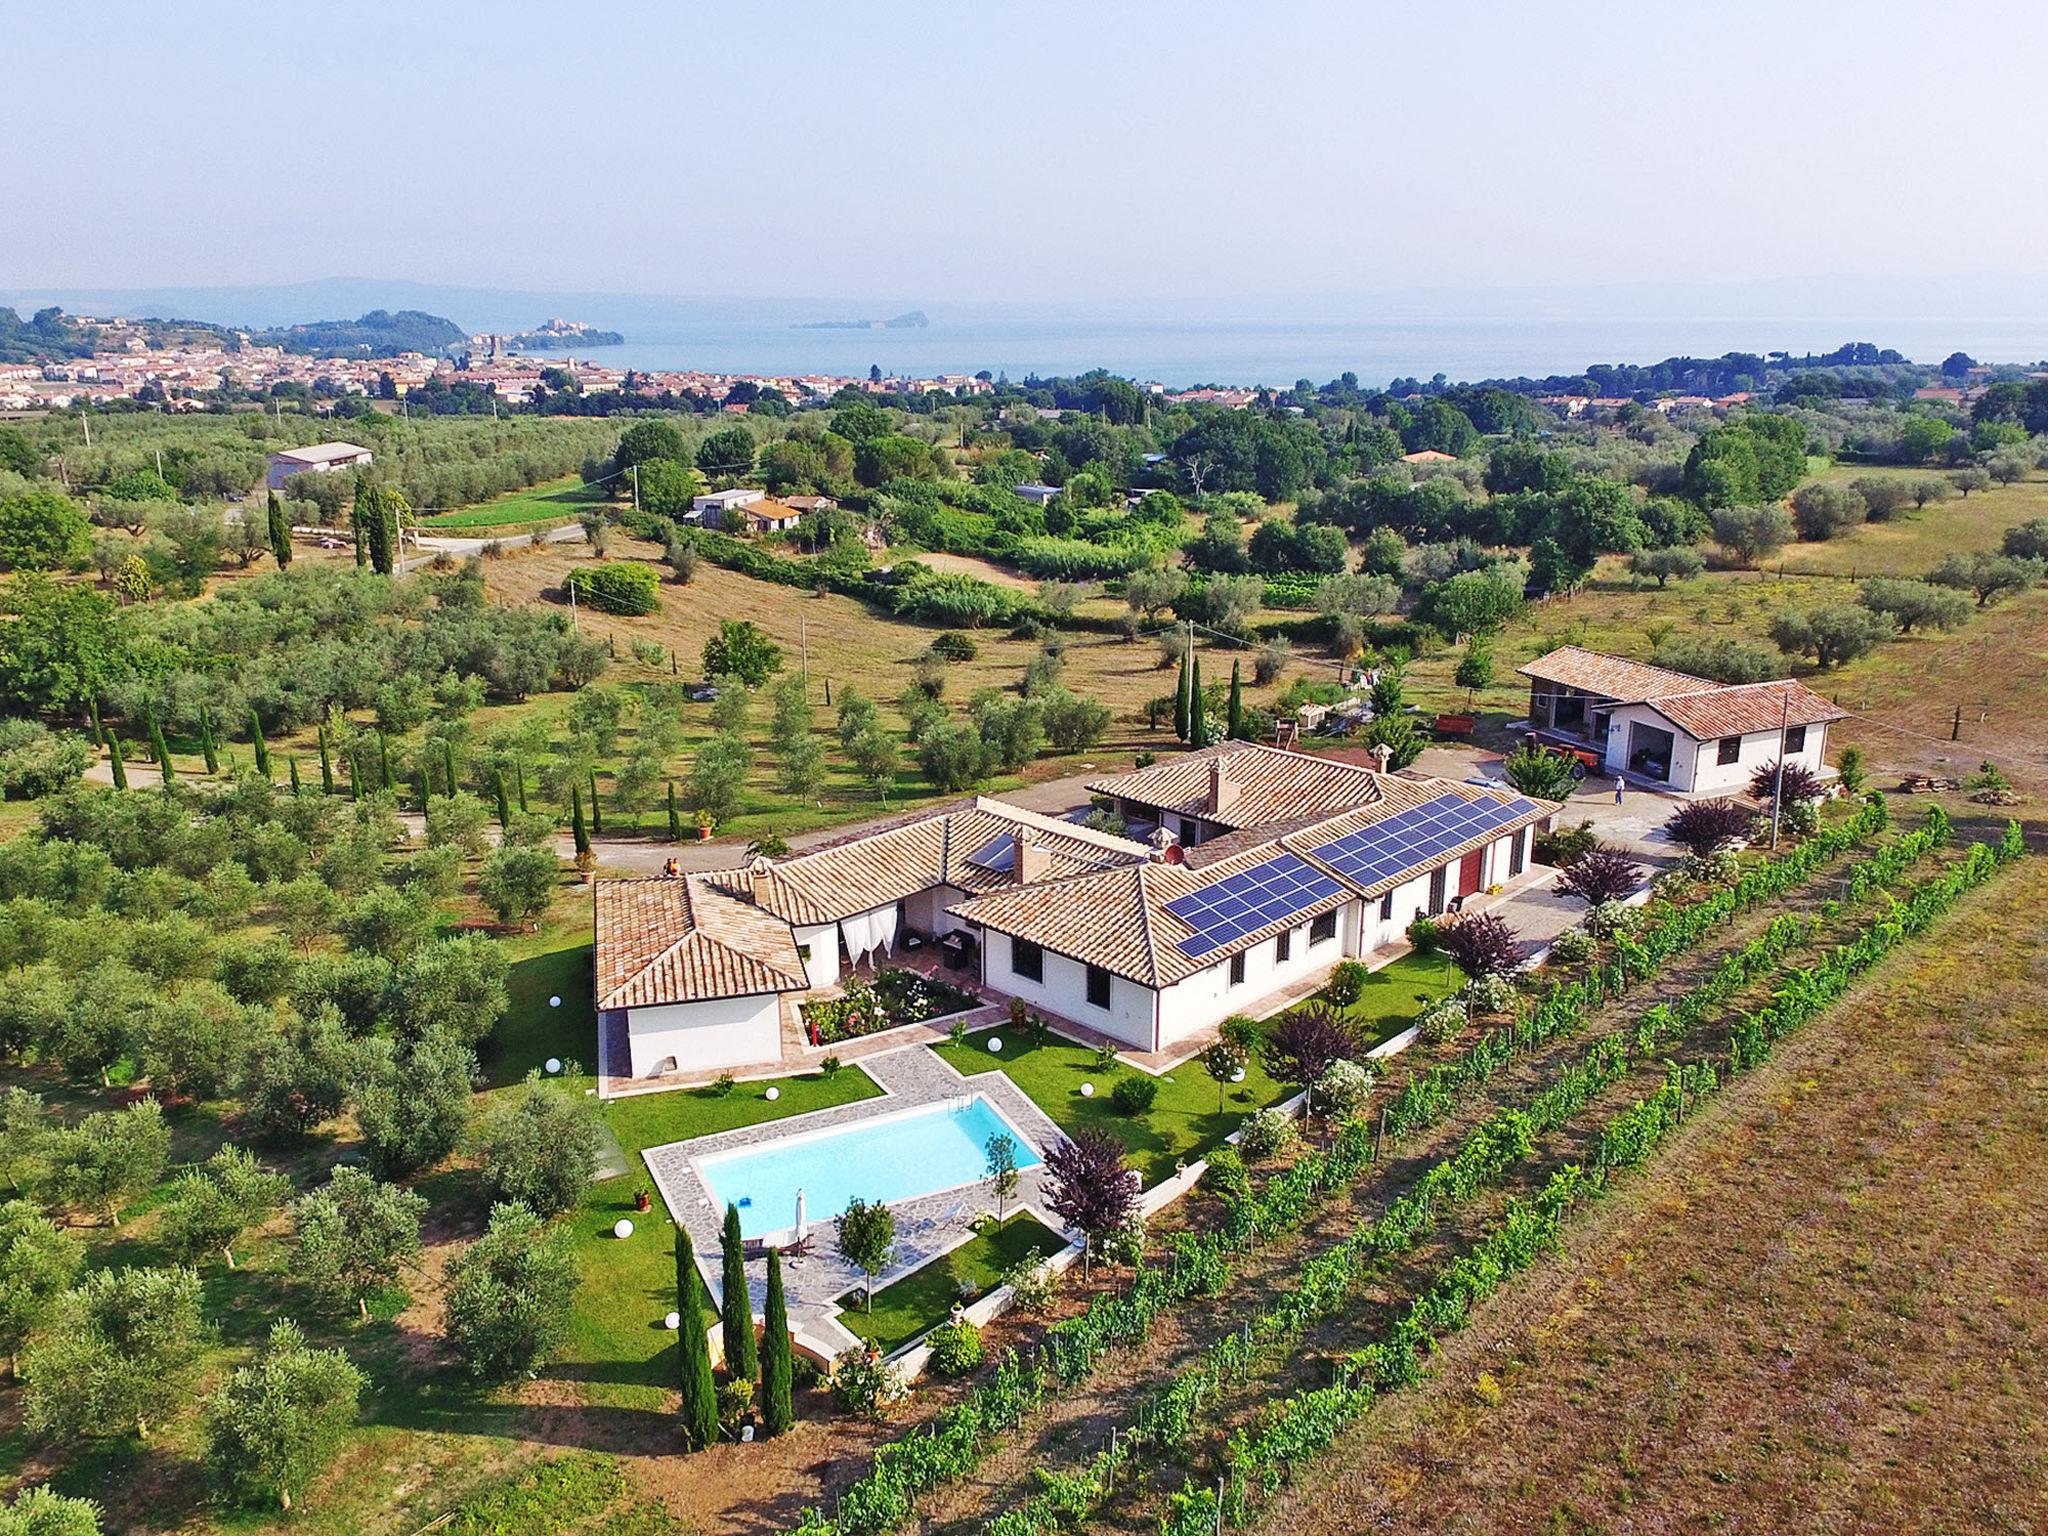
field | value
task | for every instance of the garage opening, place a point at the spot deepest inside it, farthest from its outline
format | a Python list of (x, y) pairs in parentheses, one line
[(1649, 751)]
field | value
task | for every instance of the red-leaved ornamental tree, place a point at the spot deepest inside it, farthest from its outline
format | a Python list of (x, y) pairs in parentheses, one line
[(1801, 782), (1089, 1188), (1483, 945), (1707, 826), (1604, 875), (1301, 1045)]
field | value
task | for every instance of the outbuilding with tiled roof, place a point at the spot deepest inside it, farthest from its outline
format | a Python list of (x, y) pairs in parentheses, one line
[(1671, 729)]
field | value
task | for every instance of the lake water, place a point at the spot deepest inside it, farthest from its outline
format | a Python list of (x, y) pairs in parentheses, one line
[(1182, 353)]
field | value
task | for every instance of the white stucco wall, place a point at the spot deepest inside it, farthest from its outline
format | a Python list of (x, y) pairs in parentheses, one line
[(822, 964), (1189, 1006), (1758, 749), (926, 910), (723, 1032), (1064, 991)]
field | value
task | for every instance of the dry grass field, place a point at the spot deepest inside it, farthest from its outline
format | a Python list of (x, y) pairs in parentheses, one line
[(1823, 1309)]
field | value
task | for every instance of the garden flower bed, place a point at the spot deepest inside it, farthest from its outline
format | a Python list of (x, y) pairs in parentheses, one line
[(893, 998)]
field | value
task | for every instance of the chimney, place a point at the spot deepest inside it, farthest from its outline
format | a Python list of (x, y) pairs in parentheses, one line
[(1381, 756), (1223, 794), (1165, 847), (758, 881), (1031, 863)]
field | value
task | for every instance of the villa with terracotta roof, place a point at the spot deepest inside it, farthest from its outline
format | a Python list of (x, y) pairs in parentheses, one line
[(1669, 728), (1263, 868)]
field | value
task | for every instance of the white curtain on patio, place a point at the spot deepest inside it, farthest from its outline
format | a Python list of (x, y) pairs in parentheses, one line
[(869, 931)]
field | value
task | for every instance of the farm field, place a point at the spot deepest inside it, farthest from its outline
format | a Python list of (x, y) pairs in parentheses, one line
[(553, 501), (1823, 1310)]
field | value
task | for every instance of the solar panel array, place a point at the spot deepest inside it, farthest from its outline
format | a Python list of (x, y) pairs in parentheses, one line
[(1248, 901), (1418, 836), (999, 857)]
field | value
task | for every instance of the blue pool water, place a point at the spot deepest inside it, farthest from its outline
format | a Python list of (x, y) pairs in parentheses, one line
[(891, 1158)]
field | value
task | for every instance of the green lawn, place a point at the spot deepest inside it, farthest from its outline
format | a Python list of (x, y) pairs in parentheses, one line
[(1183, 1122), (553, 501), (925, 1298), (1396, 993)]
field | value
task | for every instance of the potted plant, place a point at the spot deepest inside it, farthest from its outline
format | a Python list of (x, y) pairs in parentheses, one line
[(703, 826)]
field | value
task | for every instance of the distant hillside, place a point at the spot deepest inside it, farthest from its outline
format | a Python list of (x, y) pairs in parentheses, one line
[(50, 333), (912, 320), (379, 333)]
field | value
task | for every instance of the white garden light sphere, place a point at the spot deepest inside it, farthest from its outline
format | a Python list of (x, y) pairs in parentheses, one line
[(622, 1228), (772, 1095), (995, 1043), (1237, 1076), (1087, 1090), (673, 1321), (554, 1065), (555, 1001)]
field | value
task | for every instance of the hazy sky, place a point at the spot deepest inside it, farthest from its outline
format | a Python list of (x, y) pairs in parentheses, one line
[(1010, 151)]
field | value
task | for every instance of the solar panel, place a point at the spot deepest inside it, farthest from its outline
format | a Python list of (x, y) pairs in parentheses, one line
[(1249, 900), (999, 857), (1420, 835)]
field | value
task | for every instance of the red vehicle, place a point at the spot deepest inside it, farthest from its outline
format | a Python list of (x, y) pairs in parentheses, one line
[(1585, 760)]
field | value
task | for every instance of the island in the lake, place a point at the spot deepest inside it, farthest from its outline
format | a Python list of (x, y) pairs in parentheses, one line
[(554, 334), (912, 320)]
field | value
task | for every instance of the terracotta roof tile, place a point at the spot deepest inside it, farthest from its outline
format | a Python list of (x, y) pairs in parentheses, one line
[(1271, 784), (1614, 677), (686, 940), (1745, 707)]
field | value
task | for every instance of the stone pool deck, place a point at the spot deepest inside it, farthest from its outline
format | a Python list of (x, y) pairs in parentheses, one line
[(910, 1077)]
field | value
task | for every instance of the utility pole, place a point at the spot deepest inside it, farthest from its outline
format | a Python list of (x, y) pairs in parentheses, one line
[(636, 490), (803, 634), (572, 603), (86, 418), (1955, 729), (159, 463), (1778, 783)]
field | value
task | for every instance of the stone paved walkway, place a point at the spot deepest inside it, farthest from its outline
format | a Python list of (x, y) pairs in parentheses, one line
[(910, 1076)]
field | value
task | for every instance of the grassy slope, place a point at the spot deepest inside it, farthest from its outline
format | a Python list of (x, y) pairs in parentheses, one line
[(1821, 1310)]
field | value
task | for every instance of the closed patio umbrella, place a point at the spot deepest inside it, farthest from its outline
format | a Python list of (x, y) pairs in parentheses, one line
[(802, 1227)]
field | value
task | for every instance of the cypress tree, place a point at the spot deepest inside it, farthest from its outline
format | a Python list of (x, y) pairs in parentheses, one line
[(448, 764), (1235, 729), (384, 763), (293, 764), (504, 805), (262, 747), (700, 1395), (380, 534), (1198, 722), (736, 1314), (1180, 697), (675, 818), (280, 533), (362, 549), (419, 785), (355, 775), (99, 731), (596, 809), (519, 782), (114, 759), (326, 762), (777, 1368), (160, 748), (207, 748), (577, 829)]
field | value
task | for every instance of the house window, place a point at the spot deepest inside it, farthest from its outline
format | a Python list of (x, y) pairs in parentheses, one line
[(1436, 890), (1795, 740), (1516, 853), (1027, 960), (803, 953), (1728, 750), (1323, 929), (1237, 970), (1387, 907), (1098, 987), (1283, 947)]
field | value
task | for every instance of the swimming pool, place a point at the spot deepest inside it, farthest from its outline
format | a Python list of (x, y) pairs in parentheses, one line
[(887, 1158)]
